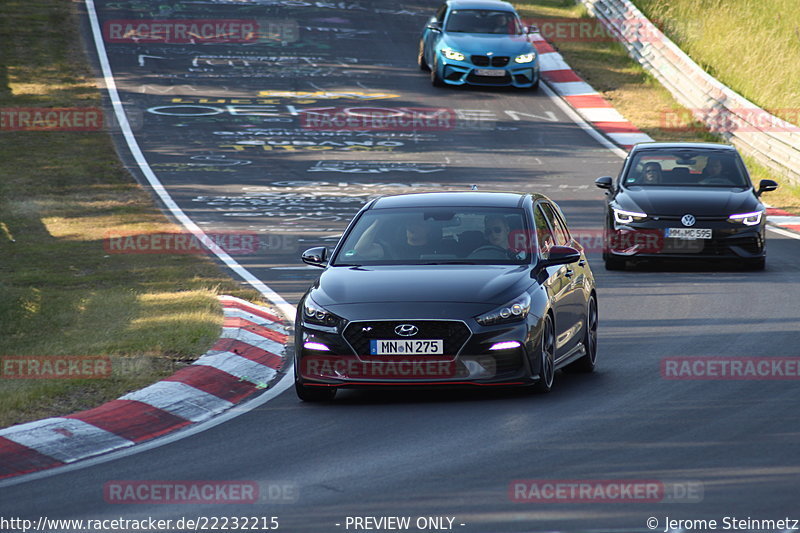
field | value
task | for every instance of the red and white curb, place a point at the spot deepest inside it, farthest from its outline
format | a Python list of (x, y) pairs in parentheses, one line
[(245, 360), (589, 104), (783, 219)]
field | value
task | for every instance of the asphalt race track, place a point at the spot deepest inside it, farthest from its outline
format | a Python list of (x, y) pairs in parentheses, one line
[(226, 128)]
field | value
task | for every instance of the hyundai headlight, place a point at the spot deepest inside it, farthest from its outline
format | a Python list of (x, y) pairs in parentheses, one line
[(525, 58), (314, 313), (626, 217), (748, 219), (451, 54), (515, 310)]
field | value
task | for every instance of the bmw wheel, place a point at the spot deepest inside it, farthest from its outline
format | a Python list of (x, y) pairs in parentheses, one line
[(436, 81), (421, 57)]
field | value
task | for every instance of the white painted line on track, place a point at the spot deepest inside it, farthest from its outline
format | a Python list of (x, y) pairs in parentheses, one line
[(785, 233), (156, 184), (576, 118)]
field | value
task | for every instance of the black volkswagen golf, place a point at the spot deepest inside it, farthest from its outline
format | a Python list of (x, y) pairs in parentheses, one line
[(681, 201), (447, 289)]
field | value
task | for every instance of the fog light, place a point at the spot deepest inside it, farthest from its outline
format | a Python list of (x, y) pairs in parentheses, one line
[(505, 345), (308, 345)]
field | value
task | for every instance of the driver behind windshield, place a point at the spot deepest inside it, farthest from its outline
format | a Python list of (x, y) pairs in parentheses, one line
[(651, 174), (497, 231)]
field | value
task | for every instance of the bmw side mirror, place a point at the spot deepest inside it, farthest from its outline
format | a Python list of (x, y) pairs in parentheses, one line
[(316, 256), (766, 186), (560, 255), (434, 26), (605, 182), (533, 28)]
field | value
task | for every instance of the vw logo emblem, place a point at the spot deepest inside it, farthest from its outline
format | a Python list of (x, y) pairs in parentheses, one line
[(406, 330), (688, 220)]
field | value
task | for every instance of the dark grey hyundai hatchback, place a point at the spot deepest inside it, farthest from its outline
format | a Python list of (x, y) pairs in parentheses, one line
[(447, 289)]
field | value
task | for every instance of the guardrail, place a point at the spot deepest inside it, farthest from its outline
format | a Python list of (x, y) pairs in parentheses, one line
[(738, 120)]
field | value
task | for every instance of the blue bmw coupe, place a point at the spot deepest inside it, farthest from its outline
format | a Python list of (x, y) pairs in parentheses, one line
[(478, 42)]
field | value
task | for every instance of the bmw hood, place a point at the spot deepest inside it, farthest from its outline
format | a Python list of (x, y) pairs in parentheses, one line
[(482, 44), (705, 202), (485, 284)]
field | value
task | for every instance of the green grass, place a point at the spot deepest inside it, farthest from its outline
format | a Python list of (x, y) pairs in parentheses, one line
[(750, 45), (61, 293), (605, 64)]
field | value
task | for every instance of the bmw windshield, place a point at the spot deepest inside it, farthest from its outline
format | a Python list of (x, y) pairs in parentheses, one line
[(420, 236), (483, 21)]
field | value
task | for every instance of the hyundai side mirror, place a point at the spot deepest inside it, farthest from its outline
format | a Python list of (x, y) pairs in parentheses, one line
[(560, 255), (317, 256)]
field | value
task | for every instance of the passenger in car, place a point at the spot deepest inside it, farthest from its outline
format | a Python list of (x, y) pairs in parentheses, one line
[(424, 238), (713, 168)]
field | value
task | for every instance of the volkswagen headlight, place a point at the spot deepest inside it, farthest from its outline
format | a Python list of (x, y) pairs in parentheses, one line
[(525, 58), (626, 217), (748, 219), (451, 54), (515, 310)]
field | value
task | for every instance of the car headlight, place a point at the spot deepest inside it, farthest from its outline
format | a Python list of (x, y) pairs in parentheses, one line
[(748, 219), (449, 53), (515, 310), (626, 217), (525, 58), (314, 313)]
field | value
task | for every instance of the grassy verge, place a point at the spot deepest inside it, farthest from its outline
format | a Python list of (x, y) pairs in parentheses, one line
[(753, 46), (605, 64), (61, 293)]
